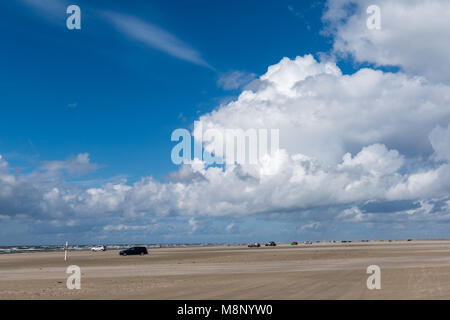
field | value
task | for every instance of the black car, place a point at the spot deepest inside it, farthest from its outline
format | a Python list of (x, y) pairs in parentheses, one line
[(134, 251), (271, 244)]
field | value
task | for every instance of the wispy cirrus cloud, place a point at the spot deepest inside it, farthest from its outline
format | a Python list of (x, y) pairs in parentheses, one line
[(53, 10), (235, 80), (129, 25), (155, 37)]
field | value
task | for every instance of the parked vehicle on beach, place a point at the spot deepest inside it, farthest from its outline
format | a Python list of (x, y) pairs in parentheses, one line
[(294, 243), (270, 244), (134, 251), (254, 245), (98, 248)]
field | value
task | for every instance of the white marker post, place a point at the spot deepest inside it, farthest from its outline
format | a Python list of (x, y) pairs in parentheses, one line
[(65, 251)]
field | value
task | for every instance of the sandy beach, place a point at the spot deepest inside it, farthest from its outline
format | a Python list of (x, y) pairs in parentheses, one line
[(418, 269)]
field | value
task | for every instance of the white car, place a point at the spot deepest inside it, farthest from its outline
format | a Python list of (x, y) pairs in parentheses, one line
[(98, 248), (254, 245)]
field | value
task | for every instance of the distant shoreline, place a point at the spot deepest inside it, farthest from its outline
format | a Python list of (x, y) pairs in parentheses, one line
[(60, 248)]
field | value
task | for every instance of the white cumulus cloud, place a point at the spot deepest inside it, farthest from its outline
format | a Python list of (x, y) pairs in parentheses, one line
[(414, 34)]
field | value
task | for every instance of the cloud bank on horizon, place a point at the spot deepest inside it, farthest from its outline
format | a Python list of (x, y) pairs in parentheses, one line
[(366, 149)]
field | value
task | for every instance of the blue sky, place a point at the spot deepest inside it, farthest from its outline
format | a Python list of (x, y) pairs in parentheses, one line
[(87, 117), (99, 91)]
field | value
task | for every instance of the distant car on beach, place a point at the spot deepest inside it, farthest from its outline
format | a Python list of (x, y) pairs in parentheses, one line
[(98, 248), (294, 243), (254, 245), (134, 251), (270, 244)]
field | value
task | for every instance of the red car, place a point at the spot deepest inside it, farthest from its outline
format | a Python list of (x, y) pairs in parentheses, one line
[(294, 243)]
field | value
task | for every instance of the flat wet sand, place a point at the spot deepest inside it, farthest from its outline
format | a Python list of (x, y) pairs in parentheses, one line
[(409, 270)]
